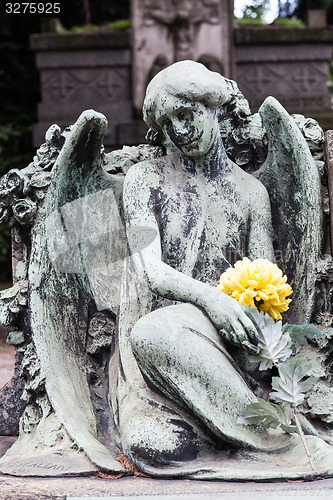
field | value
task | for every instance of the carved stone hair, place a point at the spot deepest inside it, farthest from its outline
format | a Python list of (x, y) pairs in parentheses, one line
[(187, 80)]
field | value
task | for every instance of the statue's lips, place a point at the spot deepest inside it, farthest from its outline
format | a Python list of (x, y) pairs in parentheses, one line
[(191, 143)]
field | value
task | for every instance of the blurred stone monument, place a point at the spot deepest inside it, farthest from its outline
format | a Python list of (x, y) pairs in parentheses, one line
[(86, 70), (168, 31), (291, 64), (316, 18), (108, 70)]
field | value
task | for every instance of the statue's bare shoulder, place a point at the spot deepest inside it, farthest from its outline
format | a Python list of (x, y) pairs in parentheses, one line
[(252, 189), (148, 171)]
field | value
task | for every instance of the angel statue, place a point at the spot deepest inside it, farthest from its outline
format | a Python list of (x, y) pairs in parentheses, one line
[(130, 352)]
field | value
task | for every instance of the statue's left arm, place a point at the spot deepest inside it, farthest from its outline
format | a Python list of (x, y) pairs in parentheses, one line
[(165, 281)]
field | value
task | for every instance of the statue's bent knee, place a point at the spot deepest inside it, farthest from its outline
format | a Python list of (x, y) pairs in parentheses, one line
[(147, 334)]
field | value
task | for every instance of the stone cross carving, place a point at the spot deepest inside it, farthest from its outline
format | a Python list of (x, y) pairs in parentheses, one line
[(165, 32), (181, 19)]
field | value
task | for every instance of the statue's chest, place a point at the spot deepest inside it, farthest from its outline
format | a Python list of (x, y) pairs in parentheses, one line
[(196, 223)]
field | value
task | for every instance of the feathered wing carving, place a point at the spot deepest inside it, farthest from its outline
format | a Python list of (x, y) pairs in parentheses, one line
[(78, 230), (293, 183), (82, 214)]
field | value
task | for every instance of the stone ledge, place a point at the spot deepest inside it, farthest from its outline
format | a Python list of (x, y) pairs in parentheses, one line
[(94, 487), (280, 35), (78, 41), (287, 53), (32, 488)]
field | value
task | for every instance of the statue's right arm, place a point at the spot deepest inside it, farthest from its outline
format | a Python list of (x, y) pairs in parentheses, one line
[(225, 313)]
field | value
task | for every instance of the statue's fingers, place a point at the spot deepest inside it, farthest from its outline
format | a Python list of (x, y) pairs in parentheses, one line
[(252, 349), (251, 330), (247, 335), (240, 334), (227, 336), (233, 335), (247, 314)]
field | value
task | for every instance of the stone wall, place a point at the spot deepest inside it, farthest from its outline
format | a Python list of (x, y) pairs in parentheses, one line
[(95, 70), (290, 64), (82, 71)]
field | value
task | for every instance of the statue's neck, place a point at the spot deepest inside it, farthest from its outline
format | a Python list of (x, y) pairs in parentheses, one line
[(214, 163)]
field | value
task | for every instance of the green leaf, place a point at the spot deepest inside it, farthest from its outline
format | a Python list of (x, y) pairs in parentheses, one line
[(289, 387), (274, 345), (269, 415), (302, 333), (289, 429)]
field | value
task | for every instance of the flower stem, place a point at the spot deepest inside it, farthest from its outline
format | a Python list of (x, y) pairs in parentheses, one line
[(299, 428), (301, 433)]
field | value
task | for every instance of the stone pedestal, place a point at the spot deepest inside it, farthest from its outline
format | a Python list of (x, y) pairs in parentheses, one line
[(290, 64), (81, 71), (316, 18), (166, 31)]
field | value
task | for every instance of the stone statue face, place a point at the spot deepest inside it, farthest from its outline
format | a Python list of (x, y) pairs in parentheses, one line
[(191, 127)]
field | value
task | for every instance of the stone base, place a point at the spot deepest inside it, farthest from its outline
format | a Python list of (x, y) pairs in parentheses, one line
[(93, 487)]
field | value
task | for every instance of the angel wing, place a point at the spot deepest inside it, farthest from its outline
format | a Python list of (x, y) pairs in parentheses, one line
[(81, 232), (77, 249), (293, 183)]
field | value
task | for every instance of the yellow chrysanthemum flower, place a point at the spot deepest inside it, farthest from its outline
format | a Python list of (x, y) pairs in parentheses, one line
[(258, 284)]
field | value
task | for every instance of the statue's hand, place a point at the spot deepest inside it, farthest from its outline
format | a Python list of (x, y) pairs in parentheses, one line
[(230, 319)]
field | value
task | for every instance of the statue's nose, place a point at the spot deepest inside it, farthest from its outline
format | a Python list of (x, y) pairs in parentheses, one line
[(180, 128)]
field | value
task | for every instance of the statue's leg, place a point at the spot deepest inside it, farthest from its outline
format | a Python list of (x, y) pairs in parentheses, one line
[(181, 353)]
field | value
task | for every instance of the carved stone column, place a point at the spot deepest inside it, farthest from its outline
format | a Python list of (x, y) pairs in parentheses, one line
[(167, 31)]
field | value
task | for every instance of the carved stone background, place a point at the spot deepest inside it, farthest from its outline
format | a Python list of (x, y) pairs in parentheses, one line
[(80, 73), (105, 72), (166, 31), (296, 74)]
